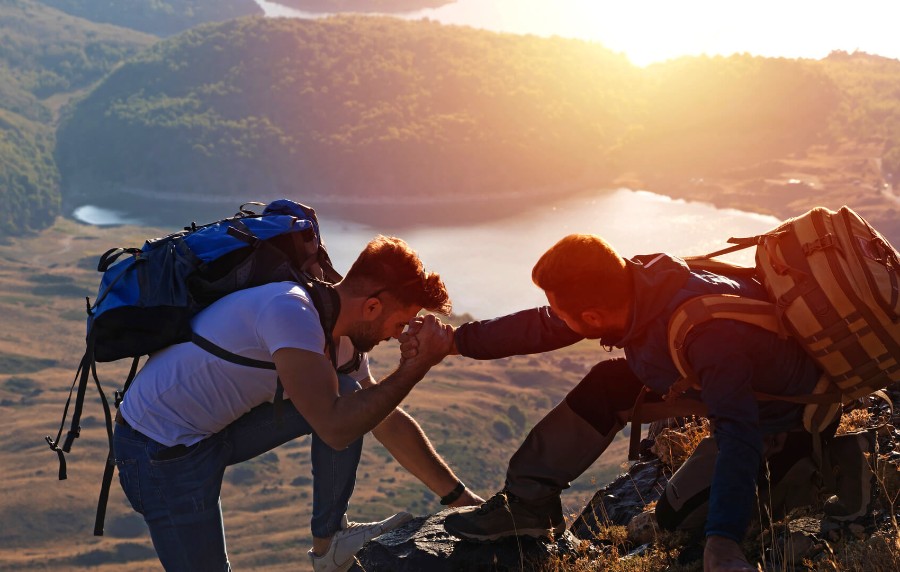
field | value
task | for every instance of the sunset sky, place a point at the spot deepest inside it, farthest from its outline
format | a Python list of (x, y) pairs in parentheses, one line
[(655, 30)]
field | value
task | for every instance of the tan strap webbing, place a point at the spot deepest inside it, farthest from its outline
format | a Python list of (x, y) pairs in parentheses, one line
[(759, 313), (644, 412), (702, 309)]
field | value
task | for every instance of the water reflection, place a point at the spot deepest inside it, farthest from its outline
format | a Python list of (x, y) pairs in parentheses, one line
[(487, 265), (99, 216)]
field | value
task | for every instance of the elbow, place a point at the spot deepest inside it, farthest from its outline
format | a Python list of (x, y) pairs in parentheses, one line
[(337, 439)]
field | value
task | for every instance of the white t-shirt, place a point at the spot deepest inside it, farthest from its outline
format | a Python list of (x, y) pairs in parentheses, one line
[(184, 394)]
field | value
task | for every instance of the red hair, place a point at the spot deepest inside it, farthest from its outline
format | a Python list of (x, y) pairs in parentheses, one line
[(583, 272), (389, 264)]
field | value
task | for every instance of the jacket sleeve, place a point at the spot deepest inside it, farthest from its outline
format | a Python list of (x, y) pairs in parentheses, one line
[(526, 332)]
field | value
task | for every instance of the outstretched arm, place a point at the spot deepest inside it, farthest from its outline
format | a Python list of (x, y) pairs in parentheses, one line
[(527, 332)]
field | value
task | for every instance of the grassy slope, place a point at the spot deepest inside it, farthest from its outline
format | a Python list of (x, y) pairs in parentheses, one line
[(46, 58), (463, 405)]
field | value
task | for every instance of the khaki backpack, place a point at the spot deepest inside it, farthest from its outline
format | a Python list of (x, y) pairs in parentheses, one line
[(833, 284)]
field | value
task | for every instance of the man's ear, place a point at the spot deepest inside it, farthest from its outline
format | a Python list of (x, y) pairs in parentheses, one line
[(593, 318), (372, 308)]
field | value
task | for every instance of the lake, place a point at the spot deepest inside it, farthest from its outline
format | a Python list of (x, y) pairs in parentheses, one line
[(487, 266)]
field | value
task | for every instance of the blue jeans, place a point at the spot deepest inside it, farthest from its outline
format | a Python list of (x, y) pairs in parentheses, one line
[(177, 489)]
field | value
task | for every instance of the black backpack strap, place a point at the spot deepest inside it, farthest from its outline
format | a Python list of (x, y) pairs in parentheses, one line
[(226, 355), (120, 395), (110, 458), (54, 443), (81, 381), (87, 369), (328, 304), (109, 470)]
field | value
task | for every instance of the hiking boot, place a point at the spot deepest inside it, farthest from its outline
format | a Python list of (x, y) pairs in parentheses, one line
[(505, 514), (345, 543), (853, 476)]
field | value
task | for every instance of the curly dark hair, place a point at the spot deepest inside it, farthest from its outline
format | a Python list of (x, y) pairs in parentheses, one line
[(389, 264)]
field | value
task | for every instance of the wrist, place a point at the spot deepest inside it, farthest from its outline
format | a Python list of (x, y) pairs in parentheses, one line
[(454, 495)]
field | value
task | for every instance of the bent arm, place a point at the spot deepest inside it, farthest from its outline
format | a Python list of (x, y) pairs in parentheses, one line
[(309, 378), (526, 332), (311, 382)]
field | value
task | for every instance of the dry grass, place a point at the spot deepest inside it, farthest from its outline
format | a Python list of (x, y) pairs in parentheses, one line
[(871, 545), (47, 524)]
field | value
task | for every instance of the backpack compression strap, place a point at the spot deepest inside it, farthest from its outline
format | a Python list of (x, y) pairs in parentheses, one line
[(702, 309), (86, 370)]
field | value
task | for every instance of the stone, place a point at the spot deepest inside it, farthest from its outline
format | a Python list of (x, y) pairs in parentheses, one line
[(643, 529), (674, 446), (621, 500), (423, 544), (802, 539)]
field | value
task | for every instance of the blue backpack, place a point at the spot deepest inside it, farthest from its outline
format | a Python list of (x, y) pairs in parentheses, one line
[(146, 299)]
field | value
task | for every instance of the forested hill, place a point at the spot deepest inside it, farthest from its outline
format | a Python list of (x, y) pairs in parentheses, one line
[(158, 17), (45, 57), (357, 106), (362, 109), (377, 6), (378, 107)]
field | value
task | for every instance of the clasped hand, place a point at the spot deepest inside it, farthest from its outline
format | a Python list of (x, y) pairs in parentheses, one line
[(425, 342)]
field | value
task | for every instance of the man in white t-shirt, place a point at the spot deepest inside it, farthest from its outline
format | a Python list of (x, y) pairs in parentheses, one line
[(189, 413)]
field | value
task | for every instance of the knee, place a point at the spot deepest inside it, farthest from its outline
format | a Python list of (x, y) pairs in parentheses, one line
[(666, 515), (676, 511), (347, 385), (609, 387)]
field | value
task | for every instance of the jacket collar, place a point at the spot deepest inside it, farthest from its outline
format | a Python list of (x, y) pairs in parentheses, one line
[(656, 278)]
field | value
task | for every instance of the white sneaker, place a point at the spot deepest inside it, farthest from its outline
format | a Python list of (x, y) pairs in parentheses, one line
[(345, 543)]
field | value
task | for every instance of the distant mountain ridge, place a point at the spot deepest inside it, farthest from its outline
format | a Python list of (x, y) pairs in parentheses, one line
[(361, 107), (157, 17), (369, 109), (379, 6)]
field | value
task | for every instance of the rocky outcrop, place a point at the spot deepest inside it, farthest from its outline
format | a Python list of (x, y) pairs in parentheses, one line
[(622, 500), (423, 544)]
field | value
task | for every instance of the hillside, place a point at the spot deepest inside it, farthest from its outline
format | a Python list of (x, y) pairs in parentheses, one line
[(476, 414), (157, 17), (377, 6), (46, 52), (29, 182), (349, 107), (372, 112), (46, 57)]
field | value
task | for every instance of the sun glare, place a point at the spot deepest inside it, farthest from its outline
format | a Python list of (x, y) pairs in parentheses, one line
[(645, 31), (650, 31)]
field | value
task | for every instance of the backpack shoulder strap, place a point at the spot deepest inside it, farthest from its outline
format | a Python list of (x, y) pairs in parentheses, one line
[(702, 309), (759, 313), (328, 304)]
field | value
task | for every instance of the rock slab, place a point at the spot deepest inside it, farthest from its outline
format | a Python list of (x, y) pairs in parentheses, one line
[(423, 544)]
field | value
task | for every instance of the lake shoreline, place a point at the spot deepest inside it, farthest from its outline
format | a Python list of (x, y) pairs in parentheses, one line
[(829, 176), (847, 173)]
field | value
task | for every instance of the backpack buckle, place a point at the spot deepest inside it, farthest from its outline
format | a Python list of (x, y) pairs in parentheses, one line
[(820, 243)]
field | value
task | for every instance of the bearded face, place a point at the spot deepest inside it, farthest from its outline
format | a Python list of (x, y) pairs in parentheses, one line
[(367, 335)]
